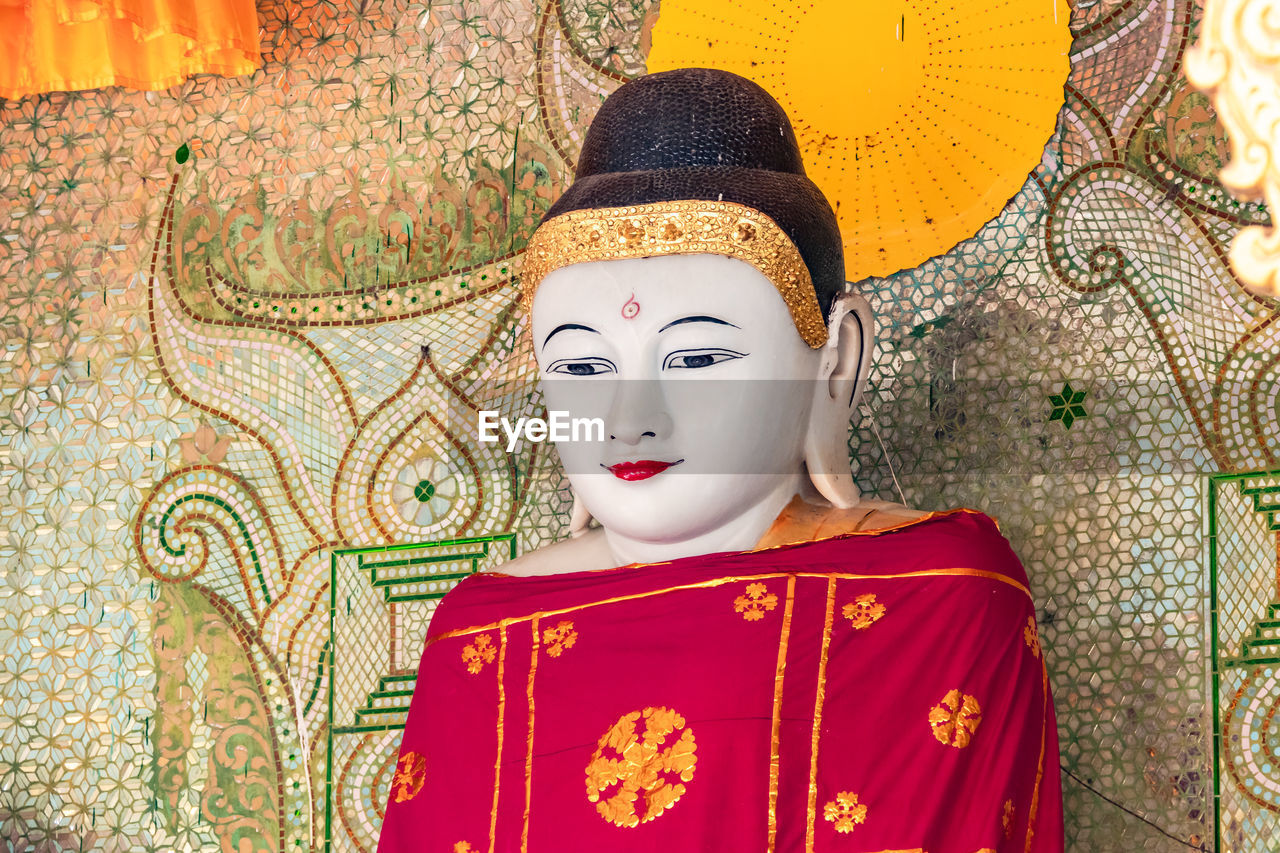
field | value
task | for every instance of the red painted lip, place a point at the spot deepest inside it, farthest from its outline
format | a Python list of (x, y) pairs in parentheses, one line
[(641, 470)]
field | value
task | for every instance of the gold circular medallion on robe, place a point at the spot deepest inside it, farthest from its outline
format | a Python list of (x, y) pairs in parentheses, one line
[(641, 765), (919, 119)]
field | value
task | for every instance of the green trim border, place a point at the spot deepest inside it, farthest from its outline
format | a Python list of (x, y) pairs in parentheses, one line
[(335, 556), (1217, 661)]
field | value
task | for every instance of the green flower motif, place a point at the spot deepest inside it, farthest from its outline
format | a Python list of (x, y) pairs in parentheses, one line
[(1067, 405), (425, 491)]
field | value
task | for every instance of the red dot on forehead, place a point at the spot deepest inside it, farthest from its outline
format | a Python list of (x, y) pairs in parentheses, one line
[(630, 308)]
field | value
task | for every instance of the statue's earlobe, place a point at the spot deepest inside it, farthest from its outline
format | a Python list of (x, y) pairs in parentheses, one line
[(841, 378)]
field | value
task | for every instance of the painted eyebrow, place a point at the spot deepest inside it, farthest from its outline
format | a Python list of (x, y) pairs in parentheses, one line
[(698, 318), (564, 327)]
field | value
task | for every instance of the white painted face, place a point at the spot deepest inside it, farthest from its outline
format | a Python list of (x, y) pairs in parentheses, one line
[(701, 379)]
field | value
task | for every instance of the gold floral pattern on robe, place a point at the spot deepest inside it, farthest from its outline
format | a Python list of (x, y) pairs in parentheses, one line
[(560, 638), (864, 611), (410, 776), (955, 719), (845, 811), (479, 653), (755, 602), (1031, 636), (651, 768)]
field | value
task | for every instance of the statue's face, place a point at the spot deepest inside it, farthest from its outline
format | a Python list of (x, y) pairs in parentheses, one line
[(701, 380)]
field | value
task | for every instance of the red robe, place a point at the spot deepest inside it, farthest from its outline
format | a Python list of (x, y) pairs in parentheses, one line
[(871, 691)]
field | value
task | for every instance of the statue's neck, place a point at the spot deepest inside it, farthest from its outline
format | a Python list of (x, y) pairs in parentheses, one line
[(739, 534)]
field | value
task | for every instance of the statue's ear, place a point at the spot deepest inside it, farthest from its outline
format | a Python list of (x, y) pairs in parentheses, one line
[(842, 377)]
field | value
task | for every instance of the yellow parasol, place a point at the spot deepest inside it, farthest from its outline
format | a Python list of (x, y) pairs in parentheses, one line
[(919, 119)]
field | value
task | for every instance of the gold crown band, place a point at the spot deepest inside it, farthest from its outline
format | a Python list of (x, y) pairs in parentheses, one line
[(678, 228)]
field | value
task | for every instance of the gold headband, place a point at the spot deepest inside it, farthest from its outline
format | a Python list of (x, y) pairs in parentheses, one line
[(678, 228)]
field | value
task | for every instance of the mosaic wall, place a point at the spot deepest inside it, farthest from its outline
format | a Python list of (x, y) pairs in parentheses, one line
[(246, 323)]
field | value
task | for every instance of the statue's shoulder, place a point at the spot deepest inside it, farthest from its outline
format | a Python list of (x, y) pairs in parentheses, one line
[(810, 520), (799, 521), (883, 515), (880, 536), (588, 551)]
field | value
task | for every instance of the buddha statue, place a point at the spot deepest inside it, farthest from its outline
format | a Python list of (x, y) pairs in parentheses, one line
[(734, 650)]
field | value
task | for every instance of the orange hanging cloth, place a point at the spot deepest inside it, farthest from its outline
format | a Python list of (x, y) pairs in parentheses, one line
[(58, 45)]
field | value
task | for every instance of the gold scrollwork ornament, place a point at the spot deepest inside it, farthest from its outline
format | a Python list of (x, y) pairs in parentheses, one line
[(1237, 63)]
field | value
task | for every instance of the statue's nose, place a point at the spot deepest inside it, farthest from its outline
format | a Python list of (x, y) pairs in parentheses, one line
[(639, 411)]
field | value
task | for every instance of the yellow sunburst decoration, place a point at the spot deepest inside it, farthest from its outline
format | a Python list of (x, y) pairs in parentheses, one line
[(919, 119)]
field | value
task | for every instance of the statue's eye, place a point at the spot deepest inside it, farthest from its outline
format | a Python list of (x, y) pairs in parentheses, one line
[(694, 359), (581, 367)]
